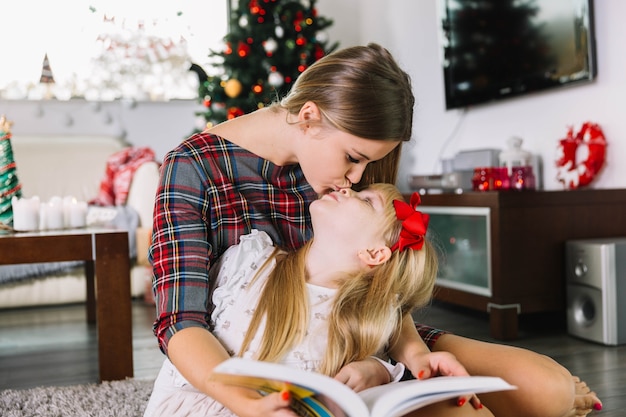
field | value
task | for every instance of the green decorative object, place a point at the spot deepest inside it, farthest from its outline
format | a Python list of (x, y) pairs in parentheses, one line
[(9, 184)]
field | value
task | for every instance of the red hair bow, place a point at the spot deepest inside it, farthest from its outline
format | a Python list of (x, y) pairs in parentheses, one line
[(414, 224)]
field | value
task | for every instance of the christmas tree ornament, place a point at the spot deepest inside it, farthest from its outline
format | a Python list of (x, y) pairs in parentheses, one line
[(321, 37), (10, 186), (275, 79), (234, 112), (257, 88), (580, 156), (47, 78), (46, 72), (270, 45), (243, 49), (233, 88)]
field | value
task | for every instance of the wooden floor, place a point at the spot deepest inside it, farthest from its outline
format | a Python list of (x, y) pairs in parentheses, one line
[(55, 346)]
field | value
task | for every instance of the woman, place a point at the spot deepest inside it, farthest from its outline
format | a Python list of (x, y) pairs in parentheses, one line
[(340, 126), (338, 299)]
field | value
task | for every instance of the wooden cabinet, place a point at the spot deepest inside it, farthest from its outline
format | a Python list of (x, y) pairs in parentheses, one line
[(527, 234)]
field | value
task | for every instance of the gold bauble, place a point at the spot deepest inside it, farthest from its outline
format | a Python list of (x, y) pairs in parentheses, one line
[(233, 88)]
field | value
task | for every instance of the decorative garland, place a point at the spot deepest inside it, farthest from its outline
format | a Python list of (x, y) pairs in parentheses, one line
[(590, 145)]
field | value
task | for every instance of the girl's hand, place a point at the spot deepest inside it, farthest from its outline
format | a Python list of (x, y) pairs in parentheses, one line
[(363, 374), (273, 405)]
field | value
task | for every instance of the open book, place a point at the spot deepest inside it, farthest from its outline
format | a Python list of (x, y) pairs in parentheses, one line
[(316, 395)]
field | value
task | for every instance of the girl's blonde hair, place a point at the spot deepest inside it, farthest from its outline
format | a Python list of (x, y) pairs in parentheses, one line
[(362, 91), (368, 308)]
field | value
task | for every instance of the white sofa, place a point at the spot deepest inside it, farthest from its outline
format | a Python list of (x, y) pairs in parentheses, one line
[(63, 165)]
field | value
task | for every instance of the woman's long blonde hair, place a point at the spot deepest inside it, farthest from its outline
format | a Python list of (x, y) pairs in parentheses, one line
[(360, 90), (367, 310)]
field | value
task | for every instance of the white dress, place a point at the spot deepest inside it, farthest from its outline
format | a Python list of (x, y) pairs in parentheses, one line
[(235, 299)]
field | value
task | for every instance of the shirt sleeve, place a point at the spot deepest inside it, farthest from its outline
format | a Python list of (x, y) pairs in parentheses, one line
[(396, 372), (180, 252)]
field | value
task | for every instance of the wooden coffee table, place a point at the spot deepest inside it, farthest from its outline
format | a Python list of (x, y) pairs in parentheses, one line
[(105, 253)]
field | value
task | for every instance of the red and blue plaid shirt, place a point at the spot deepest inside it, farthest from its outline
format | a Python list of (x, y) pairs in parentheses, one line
[(211, 193)]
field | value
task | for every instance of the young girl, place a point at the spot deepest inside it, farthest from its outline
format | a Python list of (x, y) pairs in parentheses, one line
[(340, 298), (341, 125)]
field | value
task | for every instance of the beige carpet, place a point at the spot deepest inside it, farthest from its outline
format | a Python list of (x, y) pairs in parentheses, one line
[(115, 398)]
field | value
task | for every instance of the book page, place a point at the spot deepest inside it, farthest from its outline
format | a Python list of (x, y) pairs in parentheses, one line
[(397, 399)]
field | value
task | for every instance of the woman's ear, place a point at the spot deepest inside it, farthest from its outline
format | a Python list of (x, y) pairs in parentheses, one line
[(376, 256), (309, 112)]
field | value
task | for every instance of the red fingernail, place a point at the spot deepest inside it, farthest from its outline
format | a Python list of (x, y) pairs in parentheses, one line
[(420, 375), (285, 395), (597, 406), (461, 402), (480, 406)]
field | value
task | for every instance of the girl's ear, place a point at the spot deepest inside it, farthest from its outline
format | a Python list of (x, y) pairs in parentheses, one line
[(376, 256)]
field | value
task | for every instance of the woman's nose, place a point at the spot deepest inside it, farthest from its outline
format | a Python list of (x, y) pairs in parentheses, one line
[(355, 173)]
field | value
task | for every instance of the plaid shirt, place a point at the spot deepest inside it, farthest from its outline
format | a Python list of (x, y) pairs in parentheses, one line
[(211, 193)]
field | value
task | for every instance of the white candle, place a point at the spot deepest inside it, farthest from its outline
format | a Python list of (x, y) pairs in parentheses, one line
[(54, 214), (78, 214), (67, 203), (25, 213)]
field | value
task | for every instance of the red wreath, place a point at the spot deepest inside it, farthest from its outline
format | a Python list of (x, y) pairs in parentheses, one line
[(573, 173)]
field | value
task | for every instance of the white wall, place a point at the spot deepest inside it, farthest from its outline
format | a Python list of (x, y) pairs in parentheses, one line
[(159, 125), (409, 29)]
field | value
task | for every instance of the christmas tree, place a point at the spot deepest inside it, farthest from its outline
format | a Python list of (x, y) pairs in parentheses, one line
[(9, 185), (270, 42), (47, 78)]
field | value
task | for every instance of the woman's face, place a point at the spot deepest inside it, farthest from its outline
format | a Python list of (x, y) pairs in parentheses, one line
[(335, 160), (350, 218)]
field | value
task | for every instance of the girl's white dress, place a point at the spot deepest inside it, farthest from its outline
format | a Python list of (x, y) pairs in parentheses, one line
[(235, 298)]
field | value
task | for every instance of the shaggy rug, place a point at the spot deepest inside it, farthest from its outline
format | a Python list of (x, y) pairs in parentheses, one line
[(112, 398)]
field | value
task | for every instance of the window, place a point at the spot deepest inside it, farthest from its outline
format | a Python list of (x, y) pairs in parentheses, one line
[(108, 49)]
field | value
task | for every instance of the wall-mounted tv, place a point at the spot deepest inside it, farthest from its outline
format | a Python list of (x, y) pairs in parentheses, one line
[(496, 49)]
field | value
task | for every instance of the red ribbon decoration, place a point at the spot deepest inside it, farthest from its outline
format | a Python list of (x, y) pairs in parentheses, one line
[(414, 224)]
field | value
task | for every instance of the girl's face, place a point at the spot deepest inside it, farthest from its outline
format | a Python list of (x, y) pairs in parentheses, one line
[(335, 160), (351, 219)]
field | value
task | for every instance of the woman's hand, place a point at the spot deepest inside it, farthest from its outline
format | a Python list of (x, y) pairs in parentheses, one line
[(360, 375), (428, 365)]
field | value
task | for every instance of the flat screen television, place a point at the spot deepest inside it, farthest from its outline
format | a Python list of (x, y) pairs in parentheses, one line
[(496, 49)]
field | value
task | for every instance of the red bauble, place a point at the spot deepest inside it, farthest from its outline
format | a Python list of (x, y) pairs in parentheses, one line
[(319, 52), (234, 112), (243, 49)]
